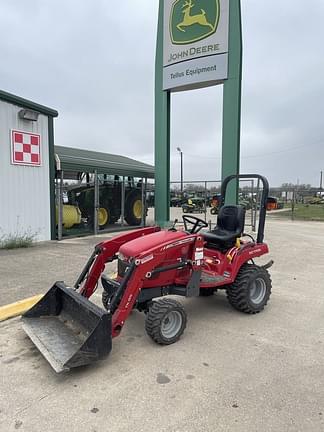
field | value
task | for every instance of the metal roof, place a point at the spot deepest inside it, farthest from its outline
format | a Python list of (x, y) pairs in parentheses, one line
[(24, 103), (74, 159)]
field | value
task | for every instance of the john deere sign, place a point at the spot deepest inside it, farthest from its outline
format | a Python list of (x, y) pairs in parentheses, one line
[(195, 43), (187, 27)]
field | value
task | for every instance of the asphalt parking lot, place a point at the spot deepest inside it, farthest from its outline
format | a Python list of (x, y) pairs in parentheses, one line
[(229, 371)]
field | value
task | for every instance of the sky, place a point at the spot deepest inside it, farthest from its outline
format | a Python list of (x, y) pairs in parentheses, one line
[(93, 61)]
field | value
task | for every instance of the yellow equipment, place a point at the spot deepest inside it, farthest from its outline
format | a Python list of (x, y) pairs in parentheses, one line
[(71, 215)]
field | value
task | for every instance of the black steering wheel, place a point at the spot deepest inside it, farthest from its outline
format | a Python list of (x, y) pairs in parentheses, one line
[(197, 223)]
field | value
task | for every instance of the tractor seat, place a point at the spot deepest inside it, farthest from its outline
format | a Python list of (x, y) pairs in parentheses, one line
[(230, 226)]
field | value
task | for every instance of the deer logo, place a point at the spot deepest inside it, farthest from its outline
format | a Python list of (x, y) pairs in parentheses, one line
[(189, 20), (193, 20)]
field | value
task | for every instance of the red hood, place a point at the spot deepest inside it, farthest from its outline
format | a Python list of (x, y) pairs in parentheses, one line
[(135, 247)]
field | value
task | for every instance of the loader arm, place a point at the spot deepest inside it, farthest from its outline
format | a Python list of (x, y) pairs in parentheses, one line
[(142, 268), (105, 252)]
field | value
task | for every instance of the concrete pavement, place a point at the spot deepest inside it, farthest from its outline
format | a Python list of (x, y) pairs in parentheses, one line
[(229, 371)]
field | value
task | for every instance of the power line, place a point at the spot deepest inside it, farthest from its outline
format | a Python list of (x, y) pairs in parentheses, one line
[(256, 156), (201, 156), (283, 151)]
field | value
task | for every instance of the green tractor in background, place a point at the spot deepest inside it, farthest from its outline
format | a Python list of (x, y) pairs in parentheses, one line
[(82, 197), (194, 205)]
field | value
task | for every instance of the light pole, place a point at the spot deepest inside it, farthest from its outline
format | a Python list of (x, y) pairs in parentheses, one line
[(181, 168)]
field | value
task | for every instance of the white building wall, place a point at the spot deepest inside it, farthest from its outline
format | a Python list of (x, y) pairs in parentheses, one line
[(24, 190)]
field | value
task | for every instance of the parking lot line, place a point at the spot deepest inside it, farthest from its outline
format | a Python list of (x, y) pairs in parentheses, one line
[(18, 308)]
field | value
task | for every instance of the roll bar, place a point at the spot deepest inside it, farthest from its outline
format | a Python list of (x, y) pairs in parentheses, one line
[(263, 204)]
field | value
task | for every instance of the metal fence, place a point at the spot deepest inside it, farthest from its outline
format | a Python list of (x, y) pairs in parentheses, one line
[(202, 193), (94, 203)]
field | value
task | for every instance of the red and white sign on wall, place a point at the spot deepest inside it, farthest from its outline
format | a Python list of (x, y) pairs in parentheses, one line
[(25, 148)]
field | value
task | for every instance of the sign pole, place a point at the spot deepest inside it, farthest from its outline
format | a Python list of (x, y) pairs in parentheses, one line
[(232, 102), (199, 45), (162, 133)]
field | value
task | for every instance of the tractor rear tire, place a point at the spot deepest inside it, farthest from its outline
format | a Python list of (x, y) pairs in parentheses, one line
[(251, 290), (165, 321)]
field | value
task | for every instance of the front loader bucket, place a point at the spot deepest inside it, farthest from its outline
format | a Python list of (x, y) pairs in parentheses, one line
[(68, 329)]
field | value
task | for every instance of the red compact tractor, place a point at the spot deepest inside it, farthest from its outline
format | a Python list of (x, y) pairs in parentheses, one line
[(71, 331)]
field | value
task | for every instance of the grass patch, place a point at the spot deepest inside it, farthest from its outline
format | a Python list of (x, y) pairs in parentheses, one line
[(14, 241), (307, 212)]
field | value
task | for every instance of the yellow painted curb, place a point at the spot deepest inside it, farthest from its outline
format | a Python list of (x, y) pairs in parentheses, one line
[(18, 308)]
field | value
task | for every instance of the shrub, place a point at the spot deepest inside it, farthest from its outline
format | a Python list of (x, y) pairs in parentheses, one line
[(17, 240)]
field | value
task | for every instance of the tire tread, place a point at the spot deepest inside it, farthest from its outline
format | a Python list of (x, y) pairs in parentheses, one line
[(157, 311), (237, 292)]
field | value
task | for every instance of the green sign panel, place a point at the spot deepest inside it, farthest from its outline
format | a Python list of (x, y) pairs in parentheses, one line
[(193, 21), (195, 43)]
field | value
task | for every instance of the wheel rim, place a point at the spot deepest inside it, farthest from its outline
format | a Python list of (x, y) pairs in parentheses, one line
[(102, 216), (171, 324), (137, 209), (258, 290)]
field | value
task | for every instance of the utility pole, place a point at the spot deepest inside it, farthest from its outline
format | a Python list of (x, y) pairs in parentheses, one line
[(181, 168), (321, 181)]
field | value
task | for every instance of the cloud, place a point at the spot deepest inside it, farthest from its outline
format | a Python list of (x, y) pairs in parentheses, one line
[(94, 62)]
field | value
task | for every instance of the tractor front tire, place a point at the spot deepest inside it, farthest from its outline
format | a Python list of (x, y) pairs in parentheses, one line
[(133, 208), (113, 213), (165, 321), (251, 290)]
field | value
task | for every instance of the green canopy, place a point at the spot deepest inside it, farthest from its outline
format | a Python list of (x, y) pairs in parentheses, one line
[(75, 159)]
